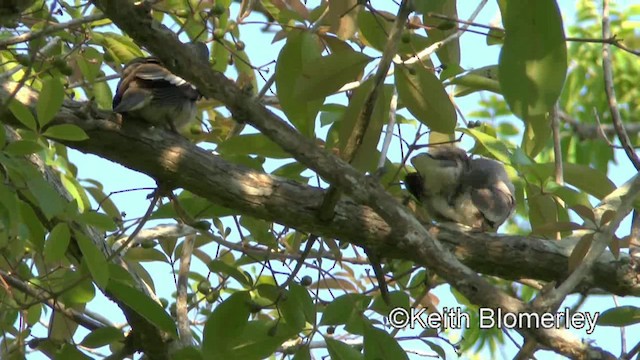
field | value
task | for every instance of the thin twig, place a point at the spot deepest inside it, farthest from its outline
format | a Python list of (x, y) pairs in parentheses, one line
[(50, 30), (607, 69), (305, 253), (436, 46)]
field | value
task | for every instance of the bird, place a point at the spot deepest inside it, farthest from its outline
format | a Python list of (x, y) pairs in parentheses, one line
[(436, 182), (149, 92), (452, 187)]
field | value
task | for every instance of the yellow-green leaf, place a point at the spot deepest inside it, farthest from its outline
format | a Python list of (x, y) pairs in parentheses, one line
[(66, 132)]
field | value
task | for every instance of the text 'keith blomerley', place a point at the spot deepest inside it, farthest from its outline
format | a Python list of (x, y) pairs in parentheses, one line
[(454, 318)]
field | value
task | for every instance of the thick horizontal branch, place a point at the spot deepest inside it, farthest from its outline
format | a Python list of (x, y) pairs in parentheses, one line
[(171, 159)]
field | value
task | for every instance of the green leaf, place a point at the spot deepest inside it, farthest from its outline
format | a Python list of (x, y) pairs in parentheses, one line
[(252, 144), (143, 306), (536, 134), (23, 114), (343, 308), (50, 201), (260, 339), (220, 267), (66, 132), (423, 94), (494, 146), (301, 296), (33, 224), (89, 62), (620, 316), (301, 48), (71, 352), (94, 259), (323, 76), (378, 344), (374, 31), (56, 245), (23, 147), (484, 78), (587, 179), (82, 291), (225, 325), (365, 158), (341, 351), (533, 60), (187, 353), (302, 354), (439, 29), (99, 220), (102, 336), (121, 48), (292, 311), (50, 100)]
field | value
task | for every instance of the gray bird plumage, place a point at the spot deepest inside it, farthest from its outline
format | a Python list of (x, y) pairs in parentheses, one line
[(149, 92), (454, 188)]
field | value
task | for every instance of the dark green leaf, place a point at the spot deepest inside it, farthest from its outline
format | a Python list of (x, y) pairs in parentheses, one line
[(225, 325), (323, 76), (143, 306), (341, 351), (343, 308), (423, 94), (252, 144), (23, 114), (99, 220), (533, 60), (102, 336), (301, 48), (378, 344), (23, 147)]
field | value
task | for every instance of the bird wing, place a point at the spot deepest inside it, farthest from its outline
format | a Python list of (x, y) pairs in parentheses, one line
[(494, 202)]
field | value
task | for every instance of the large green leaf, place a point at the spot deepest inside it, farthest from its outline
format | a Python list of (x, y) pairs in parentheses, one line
[(484, 78), (325, 75), (94, 259), (226, 325), (365, 159), (378, 344), (143, 306), (57, 242), (301, 48), (50, 100), (341, 351), (620, 316), (423, 94), (533, 60), (439, 29)]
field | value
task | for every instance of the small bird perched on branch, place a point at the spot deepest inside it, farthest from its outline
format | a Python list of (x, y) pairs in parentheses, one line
[(452, 187), (149, 92)]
